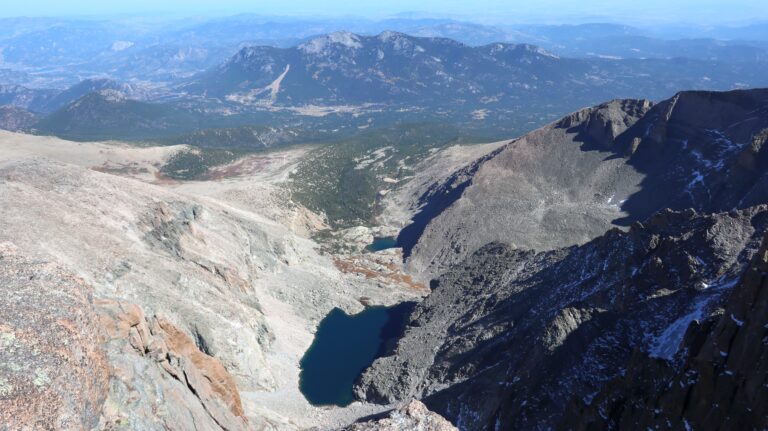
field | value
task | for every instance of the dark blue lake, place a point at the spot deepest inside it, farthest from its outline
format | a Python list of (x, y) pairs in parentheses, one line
[(344, 347), (382, 243)]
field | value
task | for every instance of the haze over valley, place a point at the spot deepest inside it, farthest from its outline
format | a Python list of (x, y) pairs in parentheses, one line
[(517, 218)]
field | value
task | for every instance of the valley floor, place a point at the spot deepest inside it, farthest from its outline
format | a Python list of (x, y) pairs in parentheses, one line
[(90, 204)]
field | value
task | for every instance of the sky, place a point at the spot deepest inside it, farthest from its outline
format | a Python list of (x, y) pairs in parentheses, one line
[(512, 11)]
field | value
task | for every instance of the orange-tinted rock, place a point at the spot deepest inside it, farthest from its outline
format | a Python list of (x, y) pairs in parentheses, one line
[(217, 382), (192, 383), (53, 371)]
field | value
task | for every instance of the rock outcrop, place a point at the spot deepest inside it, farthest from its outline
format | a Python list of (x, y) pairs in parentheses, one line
[(508, 337), (718, 383), (53, 372), (413, 416), (598, 168), (180, 386), (71, 362), (162, 251)]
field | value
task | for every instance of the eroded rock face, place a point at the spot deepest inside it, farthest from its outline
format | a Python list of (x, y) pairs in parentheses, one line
[(413, 416), (70, 362), (155, 248), (508, 337), (718, 383), (596, 169), (207, 304), (53, 372), (161, 378), (604, 123)]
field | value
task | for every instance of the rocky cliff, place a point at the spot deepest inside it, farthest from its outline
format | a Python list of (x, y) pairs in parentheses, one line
[(132, 302), (718, 382), (598, 168), (568, 252), (509, 336)]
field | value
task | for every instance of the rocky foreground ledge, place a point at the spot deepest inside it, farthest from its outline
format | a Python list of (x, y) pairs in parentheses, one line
[(70, 362), (413, 416), (53, 373)]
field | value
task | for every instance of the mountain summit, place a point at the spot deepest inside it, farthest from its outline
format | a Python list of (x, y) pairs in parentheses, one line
[(395, 69)]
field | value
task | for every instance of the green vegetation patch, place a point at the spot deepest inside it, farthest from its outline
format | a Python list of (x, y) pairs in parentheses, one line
[(343, 179), (193, 163)]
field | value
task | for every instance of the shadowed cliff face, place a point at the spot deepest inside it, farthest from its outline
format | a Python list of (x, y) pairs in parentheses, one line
[(720, 382), (510, 336), (699, 150), (598, 168)]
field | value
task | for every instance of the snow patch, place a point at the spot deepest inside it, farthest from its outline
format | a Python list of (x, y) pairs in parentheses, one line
[(666, 344), (738, 322), (372, 158)]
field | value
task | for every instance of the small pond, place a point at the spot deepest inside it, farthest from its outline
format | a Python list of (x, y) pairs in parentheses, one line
[(344, 347), (382, 243)]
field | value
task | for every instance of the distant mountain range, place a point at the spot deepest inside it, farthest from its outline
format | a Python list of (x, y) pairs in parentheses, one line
[(165, 50), (394, 68), (348, 81), (50, 100), (16, 119)]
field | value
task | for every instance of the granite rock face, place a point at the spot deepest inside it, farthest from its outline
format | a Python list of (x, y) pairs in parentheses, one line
[(719, 382), (72, 362), (508, 337), (413, 416), (160, 377), (53, 372), (598, 168), (164, 252)]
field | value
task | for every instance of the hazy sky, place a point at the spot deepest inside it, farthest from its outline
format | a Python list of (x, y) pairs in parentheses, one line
[(688, 11)]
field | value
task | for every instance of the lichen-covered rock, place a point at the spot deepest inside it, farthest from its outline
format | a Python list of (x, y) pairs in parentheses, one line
[(412, 417), (53, 371), (69, 362)]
